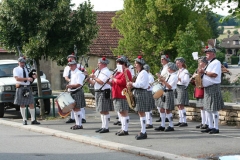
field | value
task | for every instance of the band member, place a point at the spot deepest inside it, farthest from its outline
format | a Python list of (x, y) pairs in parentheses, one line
[(163, 72), (212, 101), (102, 93), (140, 93), (150, 97), (23, 94), (181, 94), (76, 81), (202, 62), (67, 76), (167, 99), (120, 104)]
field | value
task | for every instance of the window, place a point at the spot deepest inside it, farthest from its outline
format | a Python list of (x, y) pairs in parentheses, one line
[(236, 42)]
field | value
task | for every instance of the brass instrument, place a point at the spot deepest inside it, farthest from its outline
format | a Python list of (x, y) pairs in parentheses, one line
[(128, 93)]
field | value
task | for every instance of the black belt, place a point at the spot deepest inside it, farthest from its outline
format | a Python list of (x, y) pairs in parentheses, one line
[(139, 89), (73, 92), (179, 85), (97, 90), (168, 90), (24, 86)]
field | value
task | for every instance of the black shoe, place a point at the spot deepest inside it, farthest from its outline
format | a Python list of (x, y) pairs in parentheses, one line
[(159, 128), (104, 130), (183, 125), (98, 130), (141, 136), (24, 122), (123, 133), (159, 120), (76, 127), (206, 130), (84, 121), (205, 126), (166, 120), (199, 126), (116, 123), (35, 122), (214, 131), (118, 132), (70, 121), (169, 129), (148, 126), (177, 124)]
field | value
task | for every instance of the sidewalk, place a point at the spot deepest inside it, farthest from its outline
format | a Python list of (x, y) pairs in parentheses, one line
[(184, 143)]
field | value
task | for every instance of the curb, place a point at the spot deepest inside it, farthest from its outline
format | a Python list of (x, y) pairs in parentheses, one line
[(97, 142)]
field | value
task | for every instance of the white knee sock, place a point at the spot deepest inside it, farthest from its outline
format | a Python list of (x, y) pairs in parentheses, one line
[(184, 115), (78, 118), (72, 115), (143, 124), (163, 117), (210, 119), (180, 116), (83, 113), (103, 122), (206, 118), (32, 112), (23, 113), (125, 122), (119, 116), (106, 120), (215, 119), (147, 117), (169, 116), (203, 116), (159, 111)]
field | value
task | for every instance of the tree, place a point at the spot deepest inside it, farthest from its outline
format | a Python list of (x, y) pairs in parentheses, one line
[(235, 32), (228, 32), (148, 27), (220, 30), (46, 29)]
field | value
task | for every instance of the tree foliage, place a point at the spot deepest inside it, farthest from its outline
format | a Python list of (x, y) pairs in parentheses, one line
[(149, 27)]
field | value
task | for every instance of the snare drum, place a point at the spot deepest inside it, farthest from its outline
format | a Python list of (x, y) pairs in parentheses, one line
[(65, 102), (157, 90)]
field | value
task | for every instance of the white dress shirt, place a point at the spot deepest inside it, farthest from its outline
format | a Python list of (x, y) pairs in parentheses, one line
[(215, 67), (77, 77), (172, 81), (151, 80), (18, 72), (103, 74), (142, 80), (183, 74), (131, 69), (67, 68), (164, 71)]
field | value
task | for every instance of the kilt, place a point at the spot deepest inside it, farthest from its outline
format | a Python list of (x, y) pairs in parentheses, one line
[(151, 100), (169, 101), (141, 100), (103, 104), (212, 100), (199, 102), (182, 96), (120, 105), (20, 100), (158, 102), (79, 99)]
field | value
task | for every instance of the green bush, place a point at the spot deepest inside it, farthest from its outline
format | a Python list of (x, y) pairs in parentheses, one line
[(220, 56), (227, 96), (234, 60)]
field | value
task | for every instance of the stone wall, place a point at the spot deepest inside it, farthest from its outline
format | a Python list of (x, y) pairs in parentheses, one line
[(230, 115)]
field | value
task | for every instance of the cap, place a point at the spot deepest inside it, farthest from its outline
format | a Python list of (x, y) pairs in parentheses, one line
[(103, 60), (72, 56), (166, 57), (181, 59), (172, 66), (22, 59), (140, 60)]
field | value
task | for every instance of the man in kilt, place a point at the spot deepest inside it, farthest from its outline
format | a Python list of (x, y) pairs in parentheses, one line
[(119, 82), (150, 97), (163, 72), (167, 99), (140, 93), (67, 77), (212, 101), (181, 94), (74, 87), (102, 93), (23, 94)]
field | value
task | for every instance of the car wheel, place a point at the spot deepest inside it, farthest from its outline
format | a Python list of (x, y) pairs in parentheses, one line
[(47, 105), (2, 110)]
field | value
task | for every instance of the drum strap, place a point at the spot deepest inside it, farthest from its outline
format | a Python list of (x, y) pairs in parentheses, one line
[(168, 77)]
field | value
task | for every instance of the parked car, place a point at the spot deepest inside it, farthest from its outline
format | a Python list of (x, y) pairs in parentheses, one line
[(8, 88)]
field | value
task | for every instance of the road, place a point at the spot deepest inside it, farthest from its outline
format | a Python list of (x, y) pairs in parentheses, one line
[(25, 145)]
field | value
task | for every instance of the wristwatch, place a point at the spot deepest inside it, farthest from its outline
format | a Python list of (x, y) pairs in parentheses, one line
[(205, 72)]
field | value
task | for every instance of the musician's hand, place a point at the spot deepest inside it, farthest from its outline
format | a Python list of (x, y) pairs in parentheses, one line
[(29, 79), (129, 84), (34, 76), (179, 79), (69, 86), (201, 71)]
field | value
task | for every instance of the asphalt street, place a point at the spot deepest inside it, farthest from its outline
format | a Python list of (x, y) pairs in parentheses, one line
[(183, 143)]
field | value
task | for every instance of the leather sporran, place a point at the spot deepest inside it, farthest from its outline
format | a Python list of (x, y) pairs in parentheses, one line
[(198, 92), (107, 93)]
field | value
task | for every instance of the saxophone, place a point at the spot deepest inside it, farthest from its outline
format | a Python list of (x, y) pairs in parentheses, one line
[(128, 93)]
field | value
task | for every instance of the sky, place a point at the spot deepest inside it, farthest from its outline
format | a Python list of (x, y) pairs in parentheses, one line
[(114, 5)]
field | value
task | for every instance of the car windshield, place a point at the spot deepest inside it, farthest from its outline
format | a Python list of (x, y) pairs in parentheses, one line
[(6, 70)]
